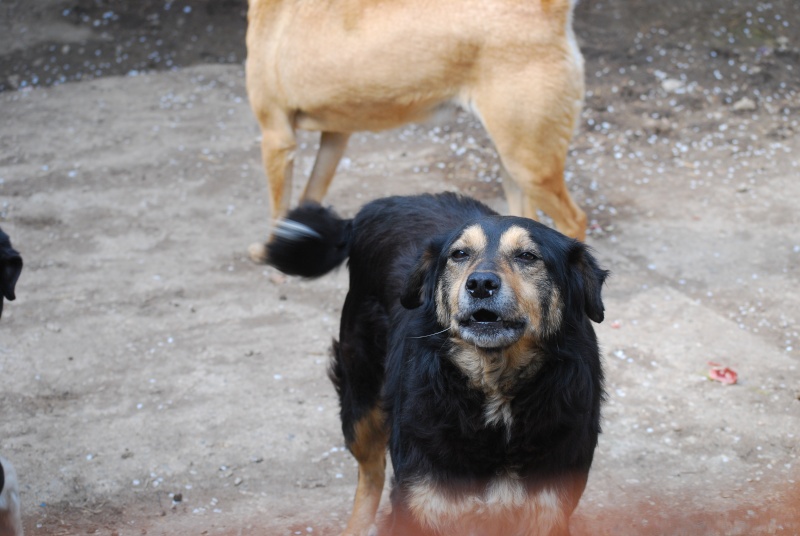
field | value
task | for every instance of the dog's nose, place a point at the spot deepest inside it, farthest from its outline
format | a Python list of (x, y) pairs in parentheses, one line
[(483, 284)]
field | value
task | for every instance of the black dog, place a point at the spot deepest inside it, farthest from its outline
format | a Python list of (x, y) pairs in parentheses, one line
[(466, 345), (10, 268)]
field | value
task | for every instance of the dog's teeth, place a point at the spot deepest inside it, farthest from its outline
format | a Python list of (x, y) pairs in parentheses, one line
[(292, 230)]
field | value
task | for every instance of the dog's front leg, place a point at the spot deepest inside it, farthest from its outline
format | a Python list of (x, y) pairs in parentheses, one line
[(278, 145)]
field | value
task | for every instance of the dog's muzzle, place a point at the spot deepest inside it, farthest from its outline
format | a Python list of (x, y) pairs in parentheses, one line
[(488, 317)]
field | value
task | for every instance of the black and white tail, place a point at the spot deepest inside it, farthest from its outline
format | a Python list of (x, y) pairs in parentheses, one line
[(310, 242)]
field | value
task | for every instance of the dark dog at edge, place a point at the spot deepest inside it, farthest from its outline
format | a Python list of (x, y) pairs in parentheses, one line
[(10, 268), (466, 345), (10, 520)]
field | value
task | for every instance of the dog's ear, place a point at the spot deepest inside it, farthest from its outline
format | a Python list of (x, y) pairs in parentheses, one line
[(422, 277), (586, 281)]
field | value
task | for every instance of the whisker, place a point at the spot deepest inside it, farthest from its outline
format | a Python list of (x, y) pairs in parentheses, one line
[(431, 335)]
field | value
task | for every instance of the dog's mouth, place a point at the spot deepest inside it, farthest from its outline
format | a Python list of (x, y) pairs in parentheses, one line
[(485, 316), (489, 329)]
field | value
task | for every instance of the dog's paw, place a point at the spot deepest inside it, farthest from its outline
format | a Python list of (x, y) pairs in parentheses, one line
[(258, 253)]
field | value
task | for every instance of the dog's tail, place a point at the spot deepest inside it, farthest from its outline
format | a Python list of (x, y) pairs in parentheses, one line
[(310, 242)]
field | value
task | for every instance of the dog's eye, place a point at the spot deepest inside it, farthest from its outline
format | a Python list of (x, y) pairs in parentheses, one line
[(459, 255), (526, 256)]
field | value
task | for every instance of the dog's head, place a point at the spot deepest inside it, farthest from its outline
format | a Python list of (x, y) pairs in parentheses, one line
[(503, 279), (10, 268)]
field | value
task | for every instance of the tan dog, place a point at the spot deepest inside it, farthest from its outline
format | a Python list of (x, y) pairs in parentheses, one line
[(341, 66)]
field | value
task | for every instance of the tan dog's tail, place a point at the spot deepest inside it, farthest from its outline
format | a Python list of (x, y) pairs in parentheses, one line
[(310, 242)]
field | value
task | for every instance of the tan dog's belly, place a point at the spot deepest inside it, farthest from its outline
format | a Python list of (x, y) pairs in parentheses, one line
[(350, 65)]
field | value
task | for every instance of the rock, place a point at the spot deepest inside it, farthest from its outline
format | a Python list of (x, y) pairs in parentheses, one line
[(745, 104), (671, 85)]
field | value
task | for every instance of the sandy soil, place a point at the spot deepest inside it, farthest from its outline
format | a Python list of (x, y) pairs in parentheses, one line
[(146, 360)]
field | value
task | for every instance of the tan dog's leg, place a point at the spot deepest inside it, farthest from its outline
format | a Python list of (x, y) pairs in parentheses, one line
[(369, 448), (549, 194), (278, 144), (537, 173), (514, 196), (531, 128), (331, 149)]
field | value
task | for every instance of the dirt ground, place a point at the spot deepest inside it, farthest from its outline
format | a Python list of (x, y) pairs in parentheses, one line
[(155, 381)]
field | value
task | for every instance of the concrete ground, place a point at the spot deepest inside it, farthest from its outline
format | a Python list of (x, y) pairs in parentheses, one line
[(155, 381)]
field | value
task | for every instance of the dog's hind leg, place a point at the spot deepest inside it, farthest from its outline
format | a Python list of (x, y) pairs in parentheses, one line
[(357, 373), (369, 448), (331, 149), (514, 196), (531, 129)]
